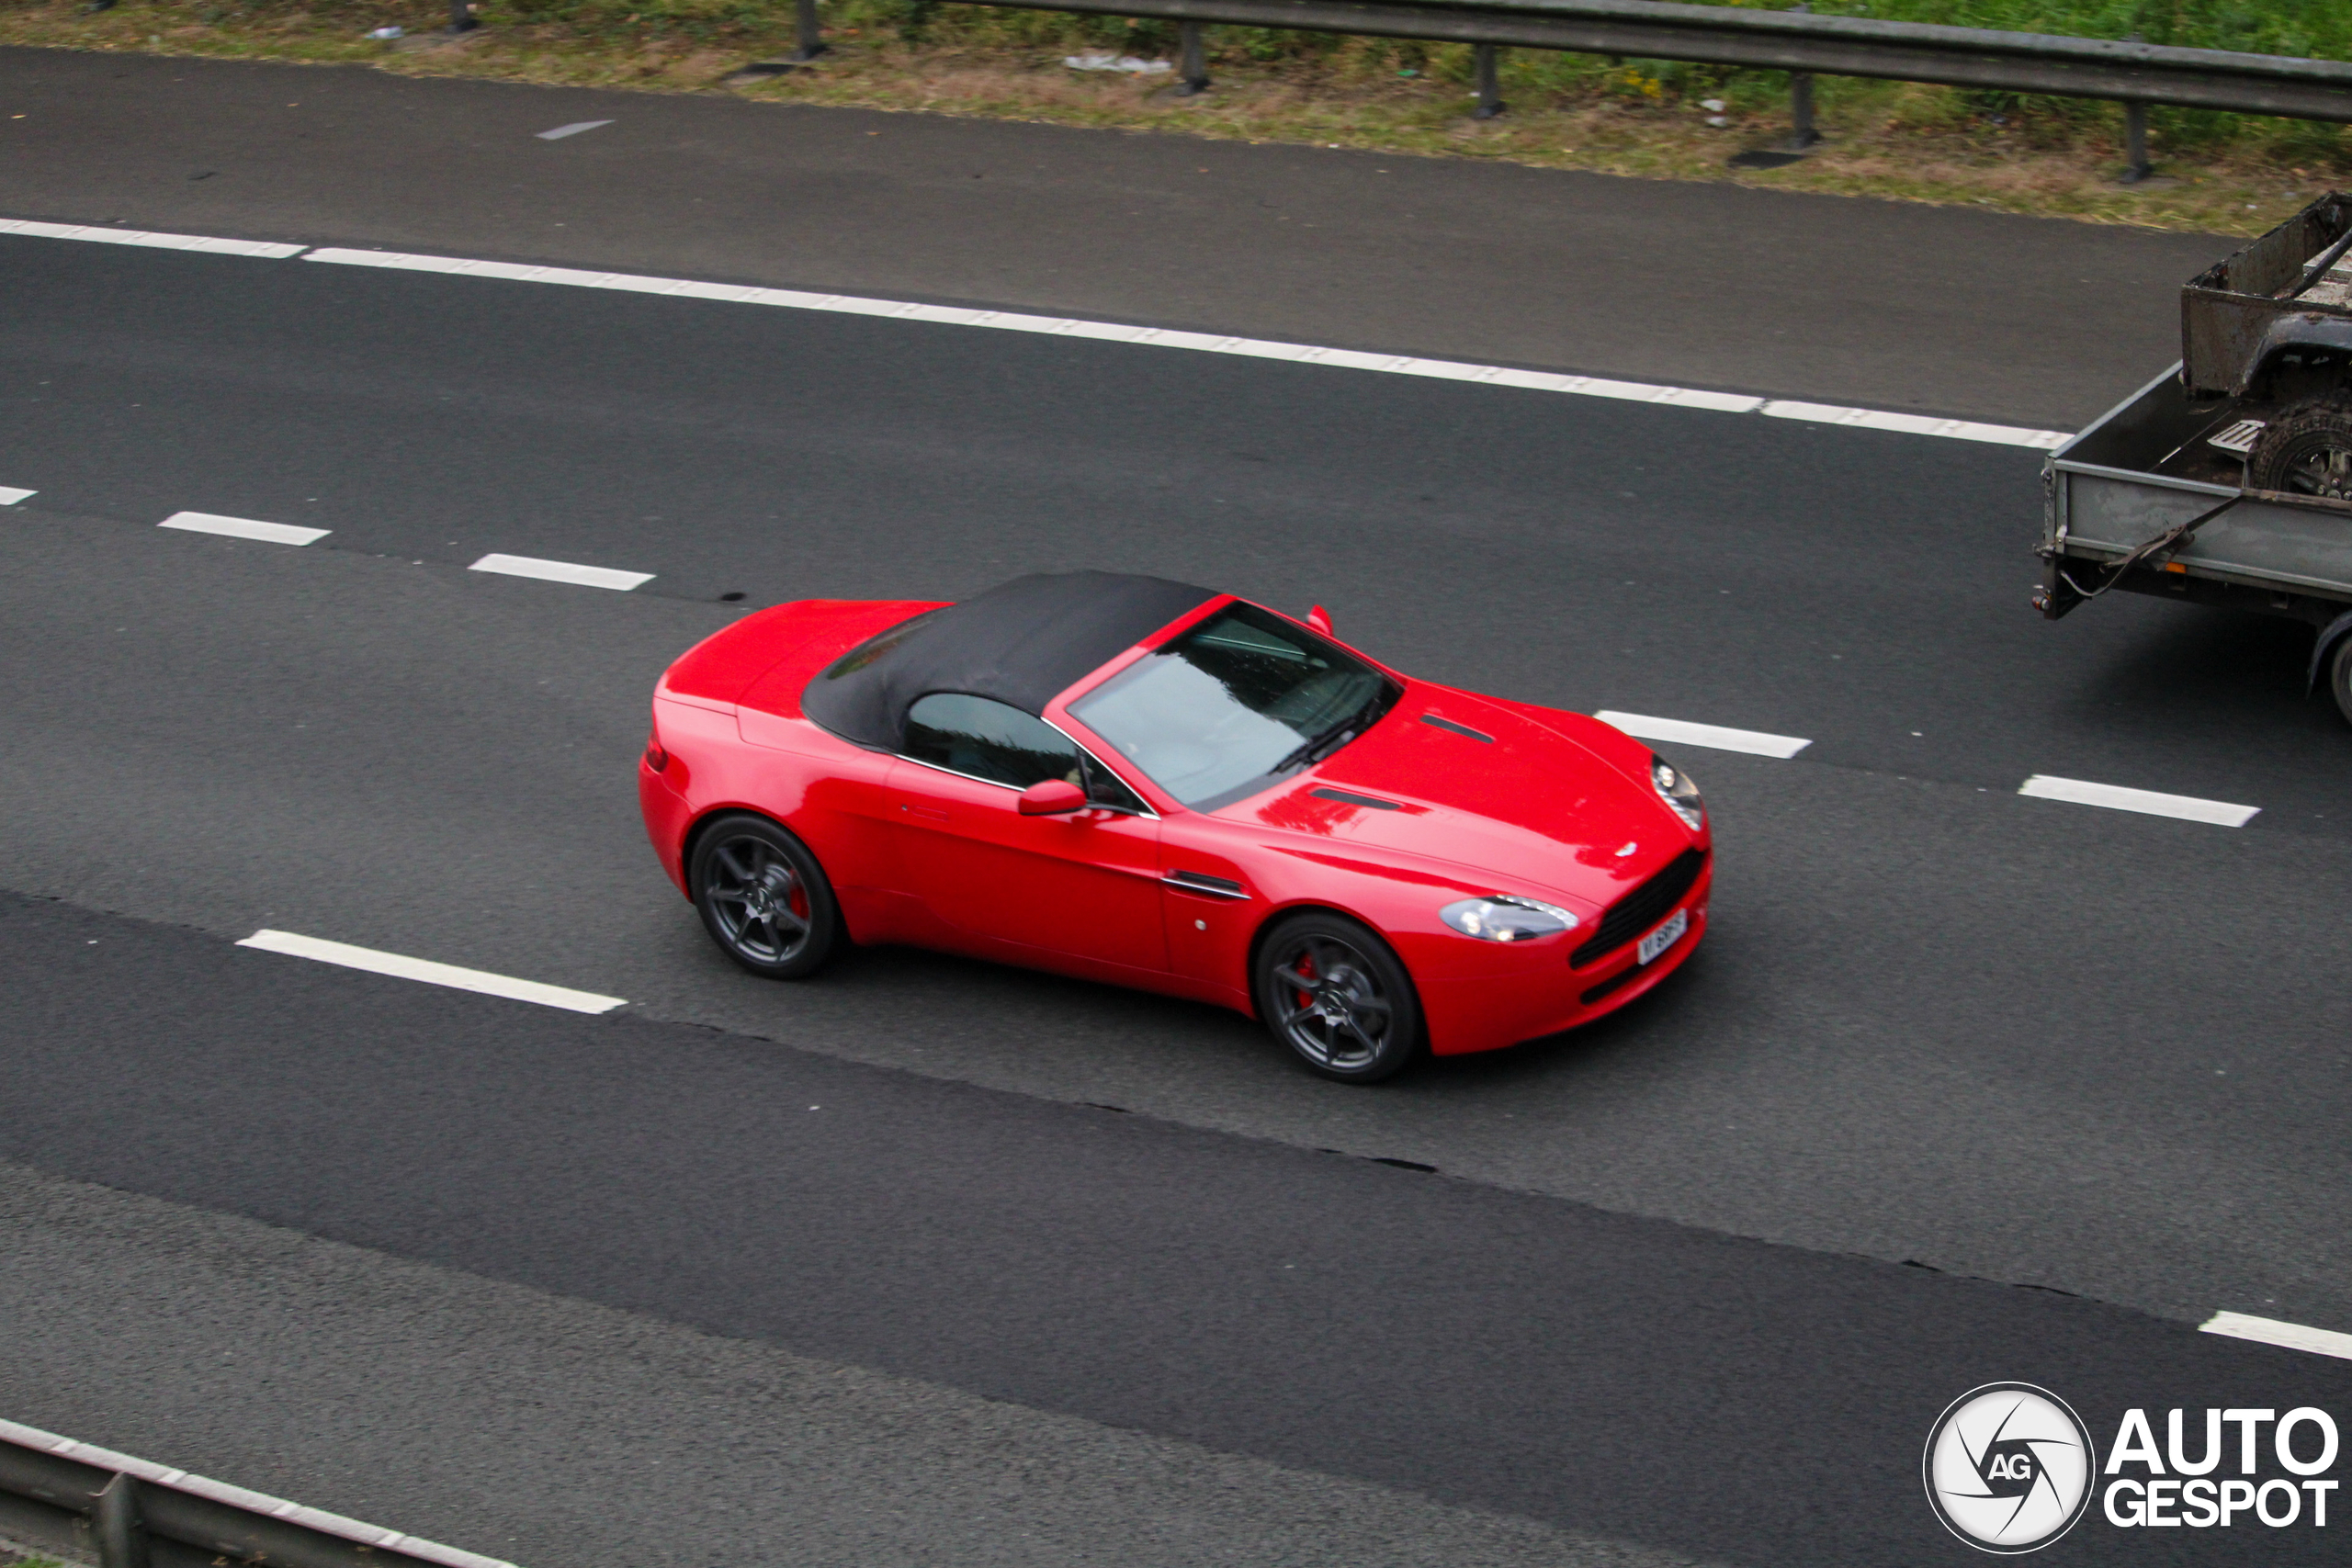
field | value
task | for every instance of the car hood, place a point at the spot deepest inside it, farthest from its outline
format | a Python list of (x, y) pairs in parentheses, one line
[(1528, 809)]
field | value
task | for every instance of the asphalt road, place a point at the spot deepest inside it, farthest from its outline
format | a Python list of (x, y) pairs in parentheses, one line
[(1965, 1085), (1482, 1348), (1886, 304)]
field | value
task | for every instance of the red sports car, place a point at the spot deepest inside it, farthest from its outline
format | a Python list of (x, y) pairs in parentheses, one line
[(1131, 779)]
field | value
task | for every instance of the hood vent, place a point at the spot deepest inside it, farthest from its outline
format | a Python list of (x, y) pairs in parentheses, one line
[(1452, 729), (1348, 797)]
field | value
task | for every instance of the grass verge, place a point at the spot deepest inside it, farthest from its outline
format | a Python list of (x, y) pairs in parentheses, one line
[(2046, 157)]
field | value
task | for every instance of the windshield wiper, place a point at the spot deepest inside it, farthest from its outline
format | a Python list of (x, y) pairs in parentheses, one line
[(1317, 747)]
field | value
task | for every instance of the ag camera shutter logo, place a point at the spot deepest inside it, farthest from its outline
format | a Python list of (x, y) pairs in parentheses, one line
[(2008, 1468)]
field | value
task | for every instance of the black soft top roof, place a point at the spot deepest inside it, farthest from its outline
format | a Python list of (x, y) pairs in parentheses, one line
[(1022, 642)]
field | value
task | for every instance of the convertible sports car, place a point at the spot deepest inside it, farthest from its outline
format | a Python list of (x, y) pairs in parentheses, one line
[(1131, 779)]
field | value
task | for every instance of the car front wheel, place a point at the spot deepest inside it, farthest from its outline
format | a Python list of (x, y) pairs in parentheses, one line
[(1333, 992), (763, 897)]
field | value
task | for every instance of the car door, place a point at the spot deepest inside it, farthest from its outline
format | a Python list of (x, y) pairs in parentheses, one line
[(1084, 885)]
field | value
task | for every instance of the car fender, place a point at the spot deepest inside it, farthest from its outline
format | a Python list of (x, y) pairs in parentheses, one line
[(2296, 330)]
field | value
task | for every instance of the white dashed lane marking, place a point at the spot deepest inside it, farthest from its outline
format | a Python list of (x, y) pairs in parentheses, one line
[(575, 129), (562, 571), (405, 968), (9, 497), (2115, 797), (2287, 1335), (243, 528), (1675, 731)]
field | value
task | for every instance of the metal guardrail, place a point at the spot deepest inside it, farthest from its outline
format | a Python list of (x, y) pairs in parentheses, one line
[(2136, 75), (62, 1495), (1799, 41)]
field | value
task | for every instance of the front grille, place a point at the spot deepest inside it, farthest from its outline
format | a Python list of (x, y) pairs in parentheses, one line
[(1643, 908)]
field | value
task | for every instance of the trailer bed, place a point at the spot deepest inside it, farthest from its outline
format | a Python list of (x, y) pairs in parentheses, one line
[(2151, 465)]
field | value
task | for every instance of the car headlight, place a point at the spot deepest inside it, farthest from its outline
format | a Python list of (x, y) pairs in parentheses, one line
[(1505, 917), (1673, 787)]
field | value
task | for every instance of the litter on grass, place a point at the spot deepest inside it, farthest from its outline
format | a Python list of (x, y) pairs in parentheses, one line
[(390, 33), (1127, 62)]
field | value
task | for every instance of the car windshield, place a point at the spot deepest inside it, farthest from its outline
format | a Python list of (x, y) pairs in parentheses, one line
[(1239, 701)]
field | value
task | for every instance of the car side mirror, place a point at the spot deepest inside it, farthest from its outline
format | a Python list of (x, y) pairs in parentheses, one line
[(1320, 619), (1052, 798)]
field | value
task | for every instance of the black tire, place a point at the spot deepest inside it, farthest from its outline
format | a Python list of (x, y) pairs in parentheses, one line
[(1337, 996), (2339, 677), (2306, 451), (763, 897)]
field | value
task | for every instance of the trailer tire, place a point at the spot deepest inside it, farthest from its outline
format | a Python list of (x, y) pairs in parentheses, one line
[(2339, 677), (2307, 451)]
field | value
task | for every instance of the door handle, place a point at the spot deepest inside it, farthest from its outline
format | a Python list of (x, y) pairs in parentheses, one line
[(929, 813)]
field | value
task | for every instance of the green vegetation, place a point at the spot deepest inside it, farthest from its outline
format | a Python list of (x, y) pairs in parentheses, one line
[(1641, 117)]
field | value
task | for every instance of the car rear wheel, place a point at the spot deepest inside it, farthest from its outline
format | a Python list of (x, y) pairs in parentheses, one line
[(2339, 677), (763, 897), (1332, 991)]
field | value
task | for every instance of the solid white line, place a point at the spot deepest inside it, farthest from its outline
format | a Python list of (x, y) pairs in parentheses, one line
[(237, 1496), (575, 129), (1755, 742), (244, 528), (1914, 424), (2188, 808), (208, 243), (562, 571), (432, 973), (1203, 343), (10, 496), (1114, 332), (2290, 1335)]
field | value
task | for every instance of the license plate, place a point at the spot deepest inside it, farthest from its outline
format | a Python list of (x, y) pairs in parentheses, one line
[(1666, 936)]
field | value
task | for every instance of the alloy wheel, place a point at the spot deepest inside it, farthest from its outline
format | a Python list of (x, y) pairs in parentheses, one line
[(757, 899), (1333, 1010), (2325, 470)]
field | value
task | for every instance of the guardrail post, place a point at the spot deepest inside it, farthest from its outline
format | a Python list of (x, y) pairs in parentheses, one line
[(1193, 64), (1802, 133), (1488, 57), (812, 36), (122, 1538), (2135, 143)]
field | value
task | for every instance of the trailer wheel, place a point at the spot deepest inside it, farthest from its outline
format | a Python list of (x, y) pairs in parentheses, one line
[(2339, 677), (2307, 452)]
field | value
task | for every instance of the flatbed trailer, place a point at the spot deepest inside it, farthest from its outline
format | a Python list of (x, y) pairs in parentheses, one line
[(2171, 492)]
